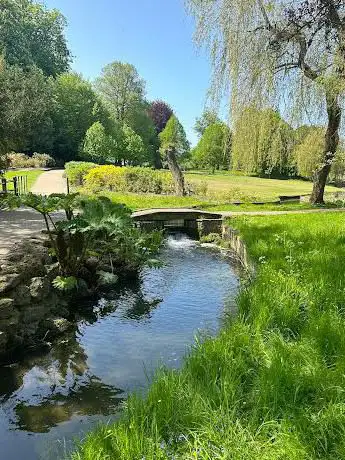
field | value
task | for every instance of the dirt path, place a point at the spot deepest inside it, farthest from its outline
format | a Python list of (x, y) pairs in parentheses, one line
[(50, 182)]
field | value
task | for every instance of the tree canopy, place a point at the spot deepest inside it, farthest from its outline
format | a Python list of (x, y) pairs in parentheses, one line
[(207, 119), (263, 143), (32, 35), (214, 148), (122, 90), (280, 52), (160, 113)]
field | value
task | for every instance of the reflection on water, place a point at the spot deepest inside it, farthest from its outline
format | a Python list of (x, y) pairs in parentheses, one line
[(49, 399)]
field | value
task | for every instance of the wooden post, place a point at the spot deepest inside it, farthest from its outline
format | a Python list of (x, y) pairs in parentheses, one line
[(4, 185), (26, 184), (15, 185), (68, 191)]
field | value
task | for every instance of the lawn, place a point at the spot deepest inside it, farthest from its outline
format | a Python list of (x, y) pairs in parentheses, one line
[(255, 188), (146, 201), (32, 175), (271, 385)]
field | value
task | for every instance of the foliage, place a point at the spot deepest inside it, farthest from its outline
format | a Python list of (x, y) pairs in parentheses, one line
[(99, 146), (123, 93), (93, 227), (25, 109), (263, 143), (77, 170), (122, 90), (279, 53), (128, 179), (160, 113), (33, 36), (207, 119), (174, 137), (76, 108), (37, 160), (269, 385), (133, 148), (214, 147), (308, 153)]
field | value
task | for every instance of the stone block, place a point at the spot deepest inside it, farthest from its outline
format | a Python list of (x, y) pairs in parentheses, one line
[(7, 309), (39, 288)]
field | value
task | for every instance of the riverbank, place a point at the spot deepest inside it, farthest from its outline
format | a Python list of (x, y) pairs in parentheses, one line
[(270, 385)]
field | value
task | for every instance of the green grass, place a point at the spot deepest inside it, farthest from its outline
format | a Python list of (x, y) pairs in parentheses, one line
[(252, 187), (136, 201), (271, 385), (32, 176)]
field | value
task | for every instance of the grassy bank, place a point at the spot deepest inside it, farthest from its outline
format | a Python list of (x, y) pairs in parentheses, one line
[(271, 385), (146, 201), (32, 175), (240, 186)]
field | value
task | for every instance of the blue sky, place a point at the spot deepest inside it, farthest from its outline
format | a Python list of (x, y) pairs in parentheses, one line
[(156, 36)]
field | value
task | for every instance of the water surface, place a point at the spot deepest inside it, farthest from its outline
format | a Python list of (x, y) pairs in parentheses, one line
[(47, 400)]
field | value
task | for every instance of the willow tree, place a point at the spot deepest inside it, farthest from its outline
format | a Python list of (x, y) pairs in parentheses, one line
[(283, 53), (262, 143)]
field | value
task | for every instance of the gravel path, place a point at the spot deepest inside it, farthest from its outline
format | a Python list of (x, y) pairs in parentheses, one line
[(50, 182), (23, 223)]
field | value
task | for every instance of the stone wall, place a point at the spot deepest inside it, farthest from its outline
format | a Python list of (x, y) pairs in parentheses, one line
[(31, 310), (239, 248)]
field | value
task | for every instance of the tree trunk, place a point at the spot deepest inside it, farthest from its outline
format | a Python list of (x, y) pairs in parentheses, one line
[(176, 172), (157, 160), (331, 145)]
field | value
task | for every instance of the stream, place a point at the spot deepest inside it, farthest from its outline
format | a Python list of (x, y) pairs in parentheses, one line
[(50, 399)]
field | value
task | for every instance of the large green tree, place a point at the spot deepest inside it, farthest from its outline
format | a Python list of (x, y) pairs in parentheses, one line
[(214, 148), (76, 108), (98, 145), (208, 118), (123, 93), (25, 109), (288, 52), (174, 145), (122, 90), (262, 143), (32, 35)]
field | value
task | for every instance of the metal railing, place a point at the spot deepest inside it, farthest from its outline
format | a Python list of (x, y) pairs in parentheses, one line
[(17, 185)]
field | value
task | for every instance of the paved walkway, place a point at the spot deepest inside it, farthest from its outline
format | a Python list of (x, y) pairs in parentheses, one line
[(50, 182), (23, 223)]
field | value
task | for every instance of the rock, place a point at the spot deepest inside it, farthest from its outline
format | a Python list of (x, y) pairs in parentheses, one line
[(22, 296), (57, 325), (52, 271), (6, 308), (33, 314), (39, 288), (3, 340), (8, 282)]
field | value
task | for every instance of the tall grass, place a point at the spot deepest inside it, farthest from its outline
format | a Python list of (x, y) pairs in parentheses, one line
[(271, 385)]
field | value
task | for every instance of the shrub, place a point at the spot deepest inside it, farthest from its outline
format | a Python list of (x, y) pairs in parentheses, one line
[(21, 160), (42, 160), (77, 170), (129, 179)]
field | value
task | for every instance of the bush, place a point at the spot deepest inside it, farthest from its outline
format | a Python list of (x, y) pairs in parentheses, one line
[(21, 160), (77, 170), (42, 160), (129, 179)]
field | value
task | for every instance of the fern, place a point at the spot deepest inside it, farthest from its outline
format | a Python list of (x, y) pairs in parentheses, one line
[(63, 283)]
